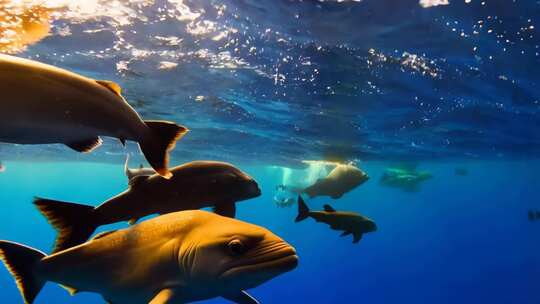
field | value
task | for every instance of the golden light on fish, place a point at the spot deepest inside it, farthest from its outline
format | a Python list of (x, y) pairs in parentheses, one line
[(22, 24)]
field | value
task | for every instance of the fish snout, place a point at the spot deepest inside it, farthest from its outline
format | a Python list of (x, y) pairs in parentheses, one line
[(253, 188)]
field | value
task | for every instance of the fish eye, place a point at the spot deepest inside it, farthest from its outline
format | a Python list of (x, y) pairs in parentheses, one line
[(236, 247)]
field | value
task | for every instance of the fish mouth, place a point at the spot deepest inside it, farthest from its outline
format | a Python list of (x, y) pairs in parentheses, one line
[(253, 190), (264, 264)]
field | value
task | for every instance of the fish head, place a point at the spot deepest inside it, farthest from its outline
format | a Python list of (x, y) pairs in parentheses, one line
[(369, 226), (227, 254), (235, 185)]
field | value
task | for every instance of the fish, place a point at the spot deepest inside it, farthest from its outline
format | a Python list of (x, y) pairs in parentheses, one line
[(534, 215), (403, 179), (193, 185), (180, 257), (43, 104), (461, 171), (348, 222), (2, 168), (131, 173), (342, 179)]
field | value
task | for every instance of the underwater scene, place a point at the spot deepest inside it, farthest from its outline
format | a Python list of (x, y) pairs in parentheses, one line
[(286, 151)]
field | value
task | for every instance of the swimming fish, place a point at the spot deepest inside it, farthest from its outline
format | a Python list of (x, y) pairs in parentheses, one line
[(534, 215), (131, 173), (175, 258), (406, 180), (461, 171), (348, 222), (194, 185), (2, 168), (342, 179), (42, 104)]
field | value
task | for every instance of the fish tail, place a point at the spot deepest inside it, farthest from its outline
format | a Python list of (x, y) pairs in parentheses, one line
[(162, 139), (303, 210), (74, 223), (22, 262)]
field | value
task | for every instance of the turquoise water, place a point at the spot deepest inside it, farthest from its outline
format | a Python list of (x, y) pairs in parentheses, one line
[(459, 239)]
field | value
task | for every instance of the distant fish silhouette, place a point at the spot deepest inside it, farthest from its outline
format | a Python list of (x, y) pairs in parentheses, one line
[(348, 222), (461, 171), (534, 215)]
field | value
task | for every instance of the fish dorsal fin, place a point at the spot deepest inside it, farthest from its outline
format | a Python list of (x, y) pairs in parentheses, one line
[(112, 86), (137, 180), (329, 208), (102, 234)]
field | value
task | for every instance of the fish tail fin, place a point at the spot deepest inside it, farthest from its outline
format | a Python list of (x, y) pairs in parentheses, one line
[(21, 261), (74, 223), (303, 210), (162, 139)]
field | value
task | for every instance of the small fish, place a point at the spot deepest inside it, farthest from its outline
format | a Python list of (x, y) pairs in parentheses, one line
[(461, 172), (348, 222), (42, 104), (342, 179), (131, 173), (534, 215), (180, 257), (2, 168), (194, 185)]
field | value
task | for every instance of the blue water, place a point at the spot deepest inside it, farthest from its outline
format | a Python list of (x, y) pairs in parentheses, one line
[(459, 239), (267, 84)]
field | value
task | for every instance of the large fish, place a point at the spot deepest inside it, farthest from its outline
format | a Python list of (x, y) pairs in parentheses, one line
[(175, 258), (342, 179), (348, 222), (42, 104), (194, 185)]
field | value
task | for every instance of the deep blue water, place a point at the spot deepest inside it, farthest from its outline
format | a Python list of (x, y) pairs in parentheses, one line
[(267, 84)]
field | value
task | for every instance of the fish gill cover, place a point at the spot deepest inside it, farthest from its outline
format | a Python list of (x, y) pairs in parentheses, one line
[(289, 80)]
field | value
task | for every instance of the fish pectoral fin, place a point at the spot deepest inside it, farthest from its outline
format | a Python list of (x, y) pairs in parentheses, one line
[(227, 209), (357, 237), (166, 296), (345, 233), (241, 297), (111, 86), (137, 180), (86, 145)]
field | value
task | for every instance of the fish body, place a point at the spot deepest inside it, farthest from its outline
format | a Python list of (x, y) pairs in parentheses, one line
[(43, 104), (194, 185), (2, 168), (342, 179), (175, 258), (406, 180), (348, 222)]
